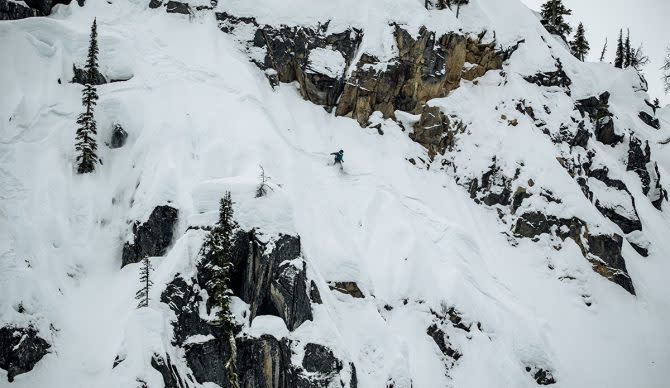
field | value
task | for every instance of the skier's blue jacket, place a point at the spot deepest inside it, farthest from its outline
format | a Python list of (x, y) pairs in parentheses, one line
[(339, 156)]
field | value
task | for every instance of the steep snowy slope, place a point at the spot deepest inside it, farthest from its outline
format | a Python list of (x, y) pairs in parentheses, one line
[(489, 228)]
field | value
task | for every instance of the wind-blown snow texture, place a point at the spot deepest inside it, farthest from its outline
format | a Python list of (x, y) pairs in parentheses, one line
[(201, 117)]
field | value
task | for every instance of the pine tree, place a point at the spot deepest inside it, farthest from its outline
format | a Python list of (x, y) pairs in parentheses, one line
[(627, 51), (553, 14), (85, 143), (218, 248), (145, 283), (602, 53), (666, 71), (619, 59), (580, 46), (262, 189)]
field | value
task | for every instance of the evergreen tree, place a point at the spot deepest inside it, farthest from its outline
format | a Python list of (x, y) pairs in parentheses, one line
[(85, 143), (627, 51), (145, 283), (218, 248), (262, 189), (666, 71), (580, 46), (553, 14), (619, 59), (602, 53)]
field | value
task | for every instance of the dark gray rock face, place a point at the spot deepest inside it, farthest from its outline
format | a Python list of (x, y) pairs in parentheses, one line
[(153, 237), (178, 7), (171, 377), (649, 120), (557, 78), (155, 3), (597, 109), (13, 10), (494, 188), (44, 6), (627, 223), (271, 288), (442, 340), (296, 52), (320, 359), (184, 300), (119, 137), (288, 293), (639, 161), (20, 349), (602, 251), (264, 362), (81, 77), (206, 361)]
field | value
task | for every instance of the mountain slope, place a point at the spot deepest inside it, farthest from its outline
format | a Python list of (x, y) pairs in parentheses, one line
[(460, 285)]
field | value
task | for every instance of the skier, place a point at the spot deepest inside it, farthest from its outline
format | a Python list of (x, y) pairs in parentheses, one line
[(339, 157)]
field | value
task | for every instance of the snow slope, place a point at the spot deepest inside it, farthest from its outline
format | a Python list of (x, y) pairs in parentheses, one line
[(201, 118)]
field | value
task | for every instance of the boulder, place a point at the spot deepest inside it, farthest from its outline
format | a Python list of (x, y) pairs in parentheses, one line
[(649, 120), (178, 7), (20, 349), (541, 375), (14, 10), (152, 237), (349, 288), (155, 4), (119, 137)]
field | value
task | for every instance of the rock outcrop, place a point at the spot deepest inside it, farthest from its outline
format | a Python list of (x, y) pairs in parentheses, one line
[(597, 109), (602, 251), (14, 10), (427, 66), (272, 281), (152, 237), (640, 162), (20, 349), (649, 120), (436, 131), (557, 78)]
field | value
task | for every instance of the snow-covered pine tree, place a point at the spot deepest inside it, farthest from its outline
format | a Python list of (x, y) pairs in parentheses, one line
[(85, 143), (218, 248), (553, 14), (262, 189), (666, 71), (627, 51), (602, 53), (580, 46), (145, 283), (620, 54)]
